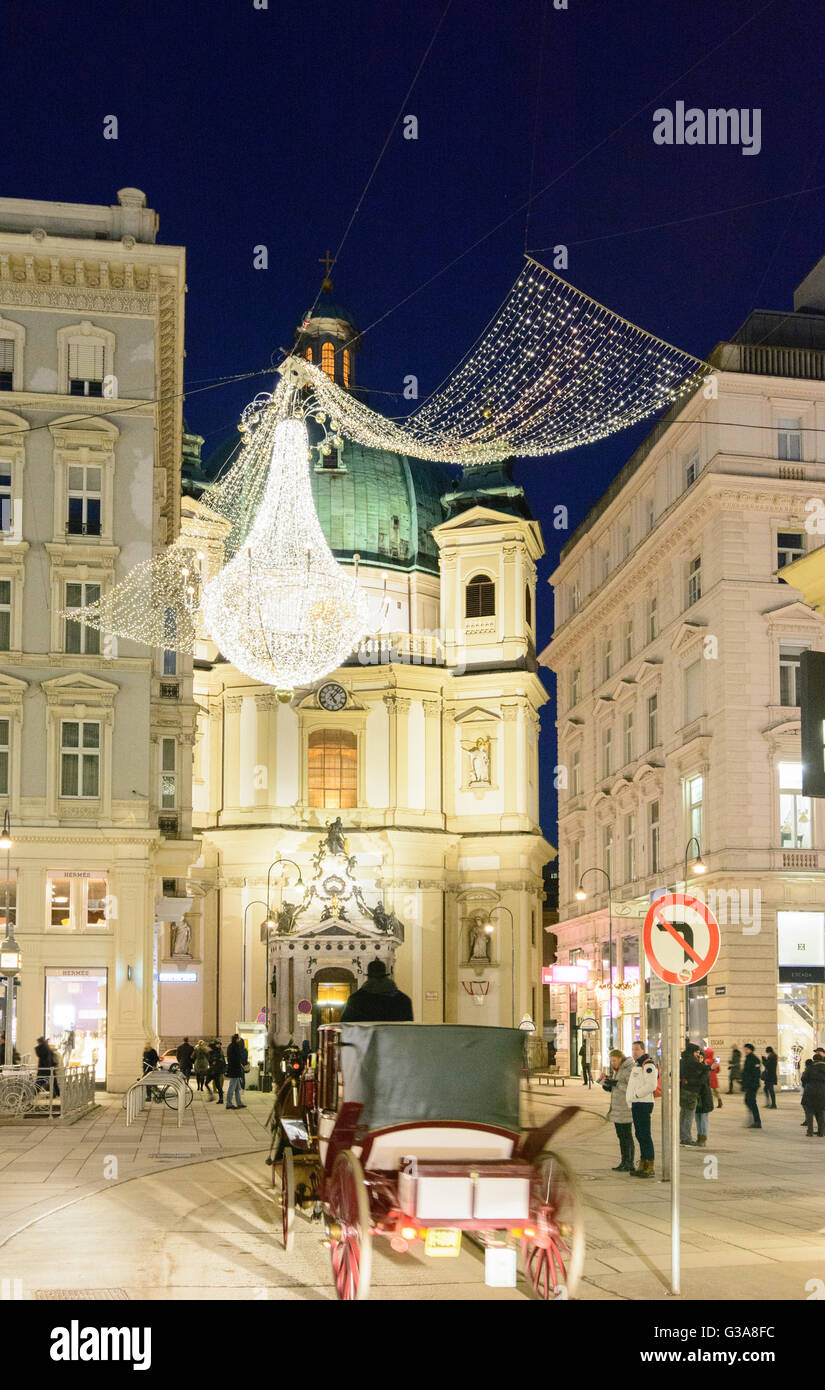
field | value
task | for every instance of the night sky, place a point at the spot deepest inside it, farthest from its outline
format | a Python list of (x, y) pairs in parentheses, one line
[(250, 127)]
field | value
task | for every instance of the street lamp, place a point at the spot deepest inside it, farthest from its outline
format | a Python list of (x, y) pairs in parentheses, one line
[(256, 902), (269, 924), (489, 926), (9, 950), (698, 866), (581, 896)]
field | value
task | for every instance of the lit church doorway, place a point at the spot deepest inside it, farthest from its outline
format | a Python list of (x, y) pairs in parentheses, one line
[(331, 988)]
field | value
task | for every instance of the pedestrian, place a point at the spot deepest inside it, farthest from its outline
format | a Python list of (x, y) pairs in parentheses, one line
[(379, 1000), (691, 1078), (642, 1086), (46, 1066), (704, 1105), (813, 1096), (200, 1063), (244, 1063), (751, 1077), (217, 1068), (734, 1068), (150, 1063), (185, 1054), (586, 1071), (615, 1083), (234, 1073), (714, 1068), (770, 1062)]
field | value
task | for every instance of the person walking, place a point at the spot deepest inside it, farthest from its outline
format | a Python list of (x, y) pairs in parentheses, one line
[(217, 1067), (642, 1085), (586, 1071), (751, 1077), (234, 1073), (770, 1063), (379, 1000), (615, 1083), (691, 1078), (813, 1097), (734, 1068), (704, 1105), (46, 1067), (184, 1054), (714, 1068), (150, 1062), (200, 1063)]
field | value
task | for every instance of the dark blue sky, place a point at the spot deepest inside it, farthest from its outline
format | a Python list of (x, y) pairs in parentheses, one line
[(249, 127)]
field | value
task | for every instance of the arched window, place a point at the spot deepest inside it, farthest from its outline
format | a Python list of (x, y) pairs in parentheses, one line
[(346, 366), (480, 599), (333, 769), (528, 606), (328, 359)]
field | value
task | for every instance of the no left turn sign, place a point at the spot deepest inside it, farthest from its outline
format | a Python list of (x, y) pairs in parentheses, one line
[(681, 938)]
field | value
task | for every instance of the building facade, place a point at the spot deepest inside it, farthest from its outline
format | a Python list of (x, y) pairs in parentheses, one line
[(423, 746), (676, 652), (95, 736)]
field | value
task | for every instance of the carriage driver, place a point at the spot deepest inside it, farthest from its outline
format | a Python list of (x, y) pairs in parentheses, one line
[(379, 1000)]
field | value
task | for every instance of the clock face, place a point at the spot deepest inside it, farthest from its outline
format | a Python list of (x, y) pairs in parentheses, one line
[(332, 696)]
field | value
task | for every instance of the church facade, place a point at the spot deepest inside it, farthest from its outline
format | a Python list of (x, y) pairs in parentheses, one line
[(393, 807)]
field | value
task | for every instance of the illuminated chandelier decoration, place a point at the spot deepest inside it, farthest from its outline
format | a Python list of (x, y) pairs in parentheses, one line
[(553, 370), (282, 610)]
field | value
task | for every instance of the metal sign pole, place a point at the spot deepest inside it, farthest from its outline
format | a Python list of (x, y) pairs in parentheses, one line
[(667, 1108), (675, 1034)]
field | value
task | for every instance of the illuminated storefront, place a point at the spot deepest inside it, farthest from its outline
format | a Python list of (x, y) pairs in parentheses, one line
[(800, 990), (75, 1016)]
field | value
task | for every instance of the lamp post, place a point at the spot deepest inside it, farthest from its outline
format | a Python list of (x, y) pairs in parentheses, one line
[(9, 950), (299, 883), (488, 927), (256, 902), (581, 896)]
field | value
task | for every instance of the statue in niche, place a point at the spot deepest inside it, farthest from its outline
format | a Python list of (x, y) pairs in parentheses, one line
[(286, 918), (387, 922), (480, 761), (181, 938), (480, 941), (336, 843)]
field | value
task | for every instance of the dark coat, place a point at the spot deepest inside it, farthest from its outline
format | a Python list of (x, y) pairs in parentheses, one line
[(45, 1059), (378, 1001), (706, 1094), (185, 1053), (234, 1060), (770, 1062), (691, 1074), (150, 1059), (217, 1063), (813, 1087), (751, 1072)]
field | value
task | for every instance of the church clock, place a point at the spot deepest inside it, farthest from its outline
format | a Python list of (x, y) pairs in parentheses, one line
[(332, 697)]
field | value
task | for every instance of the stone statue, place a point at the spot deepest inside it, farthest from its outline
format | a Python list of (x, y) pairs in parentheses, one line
[(335, 837), (286, 918), (181, 938), (480, 760), (380, 918), (480, 941)]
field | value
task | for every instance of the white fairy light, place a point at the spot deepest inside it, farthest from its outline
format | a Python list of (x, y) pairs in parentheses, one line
[(283, 610)]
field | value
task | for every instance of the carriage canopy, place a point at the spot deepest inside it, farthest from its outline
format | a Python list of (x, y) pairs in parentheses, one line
[(403, 1072)]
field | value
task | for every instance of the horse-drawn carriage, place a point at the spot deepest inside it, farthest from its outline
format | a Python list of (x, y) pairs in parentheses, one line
[(411, 1132)]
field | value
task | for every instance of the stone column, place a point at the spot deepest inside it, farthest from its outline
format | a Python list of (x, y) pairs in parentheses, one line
[(264, 774), (232, 752), (510, 761), (432, 756)]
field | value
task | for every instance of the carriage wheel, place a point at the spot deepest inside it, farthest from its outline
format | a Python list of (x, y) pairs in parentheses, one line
[(287, 1198), (349, 1214), (554, 1258)]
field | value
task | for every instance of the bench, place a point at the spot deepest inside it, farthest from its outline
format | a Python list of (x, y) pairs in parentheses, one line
[(546, 1075)]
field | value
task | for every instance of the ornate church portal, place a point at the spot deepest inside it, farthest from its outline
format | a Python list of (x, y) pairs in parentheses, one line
[(320, 948)]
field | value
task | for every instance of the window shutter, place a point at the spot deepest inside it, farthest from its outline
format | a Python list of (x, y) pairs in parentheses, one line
[(86, 361)]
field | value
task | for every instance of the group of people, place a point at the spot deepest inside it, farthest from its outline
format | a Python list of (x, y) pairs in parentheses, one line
[(209, 1065), (634, 1085)]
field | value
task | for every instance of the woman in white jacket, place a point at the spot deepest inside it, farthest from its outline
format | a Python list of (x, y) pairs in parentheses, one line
[(641, 1087)]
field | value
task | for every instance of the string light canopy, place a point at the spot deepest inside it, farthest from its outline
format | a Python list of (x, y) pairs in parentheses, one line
[(553, 370)]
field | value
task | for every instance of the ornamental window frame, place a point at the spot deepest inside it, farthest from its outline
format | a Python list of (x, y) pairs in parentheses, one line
[(788, 788), (12, 691), (84, 334), (14, 333), (82, 910), (87, 443), (79, 697), (13, 429), (354, 721), (483, 583)]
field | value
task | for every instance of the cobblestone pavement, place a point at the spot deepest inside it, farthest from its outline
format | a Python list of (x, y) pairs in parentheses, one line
[(191, 1213)]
